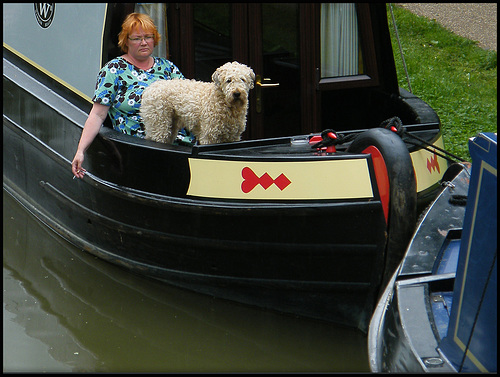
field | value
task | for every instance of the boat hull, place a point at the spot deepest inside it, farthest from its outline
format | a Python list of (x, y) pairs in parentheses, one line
[(248, 253), (401, 338), (320, 252)]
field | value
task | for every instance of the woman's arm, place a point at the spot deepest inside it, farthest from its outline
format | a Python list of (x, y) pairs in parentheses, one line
[(96, 118)]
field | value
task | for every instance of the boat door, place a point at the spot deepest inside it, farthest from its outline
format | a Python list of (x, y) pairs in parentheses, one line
[(273, 34), (265, 36)]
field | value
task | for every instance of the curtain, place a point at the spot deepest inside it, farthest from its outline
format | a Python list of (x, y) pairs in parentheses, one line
[(158, 14), (339, 40)]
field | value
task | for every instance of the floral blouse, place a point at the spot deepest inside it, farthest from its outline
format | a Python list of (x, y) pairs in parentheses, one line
[(120, 85)]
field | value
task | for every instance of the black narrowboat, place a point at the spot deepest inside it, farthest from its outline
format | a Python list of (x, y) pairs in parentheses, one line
[(309, 214)]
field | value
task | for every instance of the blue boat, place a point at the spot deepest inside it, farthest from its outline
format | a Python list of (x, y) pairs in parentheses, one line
[(439, 311)]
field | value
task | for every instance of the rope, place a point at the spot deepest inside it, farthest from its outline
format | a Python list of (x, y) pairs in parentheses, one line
[(330, 137), (394, 124), (400, 48)]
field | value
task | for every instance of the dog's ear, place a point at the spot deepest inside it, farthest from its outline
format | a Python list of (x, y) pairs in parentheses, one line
[(215, 77), (252, 79)]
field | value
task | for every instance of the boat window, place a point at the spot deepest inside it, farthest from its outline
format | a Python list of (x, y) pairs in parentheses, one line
[(158, 14), (340, 41)]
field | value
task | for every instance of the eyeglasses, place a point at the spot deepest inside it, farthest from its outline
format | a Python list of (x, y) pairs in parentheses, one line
[(147, 38)]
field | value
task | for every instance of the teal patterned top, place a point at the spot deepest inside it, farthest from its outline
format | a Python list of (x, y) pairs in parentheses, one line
[(120, 85)]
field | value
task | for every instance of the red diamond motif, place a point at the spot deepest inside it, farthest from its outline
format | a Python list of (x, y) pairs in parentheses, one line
[(266, 181), (282, 182)]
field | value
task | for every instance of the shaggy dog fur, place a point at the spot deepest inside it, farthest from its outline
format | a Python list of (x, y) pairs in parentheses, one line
[(214, 112)]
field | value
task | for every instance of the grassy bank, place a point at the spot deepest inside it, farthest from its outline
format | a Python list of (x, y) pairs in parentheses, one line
[(452, 74)]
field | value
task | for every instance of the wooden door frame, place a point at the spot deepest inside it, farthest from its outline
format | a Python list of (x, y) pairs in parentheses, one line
[(254, 16), (181, 33), (309, 68)]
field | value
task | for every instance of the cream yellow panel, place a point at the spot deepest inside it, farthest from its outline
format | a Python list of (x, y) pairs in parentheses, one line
[(308, 180), (429, 167)]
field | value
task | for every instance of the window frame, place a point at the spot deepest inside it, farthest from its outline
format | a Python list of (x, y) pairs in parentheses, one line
[(370, 76)]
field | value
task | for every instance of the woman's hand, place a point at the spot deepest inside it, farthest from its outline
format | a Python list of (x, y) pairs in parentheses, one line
[(96, 118), (76, 165)]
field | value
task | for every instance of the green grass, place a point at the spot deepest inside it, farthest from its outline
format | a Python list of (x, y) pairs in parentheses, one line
[(452, 74)]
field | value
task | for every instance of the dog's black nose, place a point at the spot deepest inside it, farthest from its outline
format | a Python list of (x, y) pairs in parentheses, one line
[(236, 94)]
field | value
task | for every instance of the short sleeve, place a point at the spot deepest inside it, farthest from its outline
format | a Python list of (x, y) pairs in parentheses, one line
[(107, 82)]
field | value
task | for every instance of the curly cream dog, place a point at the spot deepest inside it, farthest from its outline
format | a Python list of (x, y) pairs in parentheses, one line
[(214, 112)]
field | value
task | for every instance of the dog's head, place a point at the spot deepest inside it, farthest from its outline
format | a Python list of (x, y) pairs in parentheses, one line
[(235, 80)]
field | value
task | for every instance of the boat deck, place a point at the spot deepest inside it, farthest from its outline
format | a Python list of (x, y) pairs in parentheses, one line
[(292, 147)]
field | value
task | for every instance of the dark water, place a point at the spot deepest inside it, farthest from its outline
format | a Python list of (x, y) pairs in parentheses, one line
[(66, 311)]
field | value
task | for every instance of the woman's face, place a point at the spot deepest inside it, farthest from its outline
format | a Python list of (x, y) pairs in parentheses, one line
[(140, 44)]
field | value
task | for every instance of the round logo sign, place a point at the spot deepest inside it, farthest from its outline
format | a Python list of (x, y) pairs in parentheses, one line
[(44, 13)]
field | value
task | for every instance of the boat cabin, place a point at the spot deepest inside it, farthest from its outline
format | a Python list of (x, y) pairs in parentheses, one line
[(318, 66)]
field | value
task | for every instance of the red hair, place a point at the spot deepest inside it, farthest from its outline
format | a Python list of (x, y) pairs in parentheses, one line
[(132, 21)]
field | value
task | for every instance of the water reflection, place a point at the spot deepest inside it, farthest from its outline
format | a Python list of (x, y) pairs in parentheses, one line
[(65, 310)]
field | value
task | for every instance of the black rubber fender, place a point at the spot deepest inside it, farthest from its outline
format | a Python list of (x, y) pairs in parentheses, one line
[(402, 207)]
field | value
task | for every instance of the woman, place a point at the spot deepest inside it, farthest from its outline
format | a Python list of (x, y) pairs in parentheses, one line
[(121, 82)]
